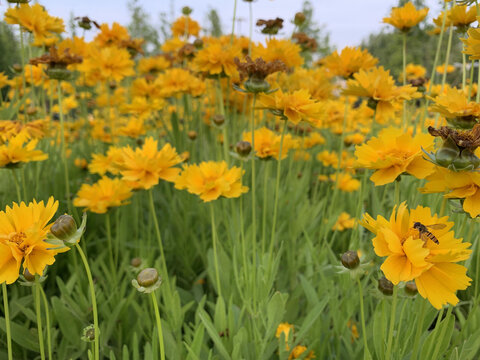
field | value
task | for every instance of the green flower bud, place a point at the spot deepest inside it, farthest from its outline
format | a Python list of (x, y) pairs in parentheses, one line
[(411, 288), (218, 119), (147, 280), (28, 275), (385, 286), (466, 161), (447, 153), (88, 333), (136, 262), (64, 227), (243, 148), (256, 85), (350, 259), (299, 18), (59, 73), (186, 10), (462, 122)]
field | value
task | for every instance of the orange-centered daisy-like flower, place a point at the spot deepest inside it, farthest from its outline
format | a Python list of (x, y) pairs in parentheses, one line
[(454, 104), (185, 26), (349, 61), (295, 106), (458, 185), (23, 230), (394, 152), (217, 59), (102, 195), (210, 180), (413, 255), (406, 17), (18, 149), (279, 49), (379, 87), (145, 166)]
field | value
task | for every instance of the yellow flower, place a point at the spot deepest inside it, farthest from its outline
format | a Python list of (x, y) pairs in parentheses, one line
[(13, 153), (377, 85), (210, 180), (23, 230), (145, 166), (461, 17), (114, 35), (345, 182), (406, 17), (279, 49), (344, 221), (101, 164), (298, 351), (102, 195), (349, 61), (217, 59), (472, 44), (36, 20), (454, 104), (185, 25), (3, 80), (285, 329), (153, 64), (106, 64), (413, 256), (267, 143), (394, 152), (313, 139), (81, 163), (459, 184), (295, 106), (441, 69), (413, 72), (134, 128)]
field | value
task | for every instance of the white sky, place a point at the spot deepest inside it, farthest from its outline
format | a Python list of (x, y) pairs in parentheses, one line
[(347, 21)]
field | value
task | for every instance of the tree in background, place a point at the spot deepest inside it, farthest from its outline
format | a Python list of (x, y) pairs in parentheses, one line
[(215, 28), (9, 52), (140, 27)]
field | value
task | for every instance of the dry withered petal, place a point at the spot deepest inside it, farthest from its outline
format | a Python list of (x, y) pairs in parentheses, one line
[(271, 27), (464, 139), (86, 23), (258, 69), (306, 42), (133, 46), (55, 60)]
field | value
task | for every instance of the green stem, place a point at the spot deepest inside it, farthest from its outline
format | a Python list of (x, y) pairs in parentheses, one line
[(159, 326), (250, 31), (157, 232), (94, 302), (464, 71), (277, 192), (47, 319), (362, 317), (17, 186), (7, 320), (109, 241), (404, 56), (439, 340), (254, 200), (265, 203), (233, 21), (397, 193), (477, 98), (215, 255), (419, 330), (39, 318), (63, 149), (392, 323)]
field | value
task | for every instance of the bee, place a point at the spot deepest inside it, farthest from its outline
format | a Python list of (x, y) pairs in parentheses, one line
[(425, 234)]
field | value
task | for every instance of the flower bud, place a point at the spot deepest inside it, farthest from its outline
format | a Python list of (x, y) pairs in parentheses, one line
[(350, 259), (147, 280), (447, 153), (136, 262), (299, 19), (256, 85), (385, 286), (28, 275), (59, 73), (243, 148), (218, 119), (411, 288), (372, 103), (192, 135), (64, 227), (186, 10), (31, 110), (17, 68), (198, 43), (88, 333)]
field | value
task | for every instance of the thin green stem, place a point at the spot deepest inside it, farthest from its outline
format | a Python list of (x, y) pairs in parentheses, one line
[(215, 255), (17, 186), (397, 193), (108, 229), (362, 317), (159, 326), (251, 30), (233, 21), (94, 302), (439, 340), (464, 71), (435, 331), (157, 232), (392, 322), (47, 319), (39, 319), (419, 330), (265, 203), (254, 200), (404, 56), (7, 321), (277, 191)]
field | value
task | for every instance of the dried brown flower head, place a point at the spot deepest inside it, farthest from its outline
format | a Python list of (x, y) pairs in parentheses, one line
[(271, 27), (464, 139), (55, 60), (306, 42), (256, 72), (186, 51), (134, 46), (86, 23)]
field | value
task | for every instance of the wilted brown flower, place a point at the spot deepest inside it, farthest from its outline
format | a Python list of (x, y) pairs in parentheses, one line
[(186, 51), (55, 60), (271, 27), (86, 23), (464, 139), (256, 72), (306, 42)]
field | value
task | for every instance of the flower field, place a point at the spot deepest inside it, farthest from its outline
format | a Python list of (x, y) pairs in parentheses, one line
[(226, 198)]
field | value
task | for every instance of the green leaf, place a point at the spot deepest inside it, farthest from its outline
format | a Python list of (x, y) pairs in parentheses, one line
[(21, 335), (213, 333)]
